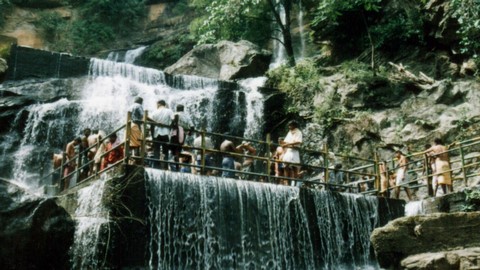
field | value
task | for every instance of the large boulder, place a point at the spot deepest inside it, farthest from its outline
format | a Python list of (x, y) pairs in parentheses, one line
[(225, 60), (408, 236), (35, 233), (465, 259)]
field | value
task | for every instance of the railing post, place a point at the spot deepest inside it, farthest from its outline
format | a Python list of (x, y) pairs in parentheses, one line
[(62, 171), (144, 136), (203, 153), (128, 131), (325, 162), (269, 157), (376, 171), (462, 155)]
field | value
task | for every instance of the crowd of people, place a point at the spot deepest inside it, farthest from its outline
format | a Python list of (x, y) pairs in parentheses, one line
[(174, 147), (436, 171)]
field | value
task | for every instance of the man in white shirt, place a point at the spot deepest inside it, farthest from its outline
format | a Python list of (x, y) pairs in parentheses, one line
[(163, 116)]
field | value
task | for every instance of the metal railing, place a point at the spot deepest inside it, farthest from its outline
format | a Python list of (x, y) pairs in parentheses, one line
[(360, 175)]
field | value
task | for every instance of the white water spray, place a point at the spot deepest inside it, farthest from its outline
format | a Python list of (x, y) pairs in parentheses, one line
[(92, 220)]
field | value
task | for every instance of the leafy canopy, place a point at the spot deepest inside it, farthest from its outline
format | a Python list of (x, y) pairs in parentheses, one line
[(467, 12), (232, 20)]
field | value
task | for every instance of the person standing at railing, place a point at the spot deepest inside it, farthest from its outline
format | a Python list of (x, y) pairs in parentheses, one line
[(177, 138), (382, 168), (197, 143), (291, 144), (114, 151), (163, 116), (442, 165), (136, 134), (71, 165), (428, 170), (401, 174), (186, 123), (228, 161), (247, 164), (279, 166)]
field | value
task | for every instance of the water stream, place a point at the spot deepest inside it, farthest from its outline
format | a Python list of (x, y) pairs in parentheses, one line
[(214, 223)]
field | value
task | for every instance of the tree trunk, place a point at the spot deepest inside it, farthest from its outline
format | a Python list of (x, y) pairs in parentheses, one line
[(285, 28), (287, 35)]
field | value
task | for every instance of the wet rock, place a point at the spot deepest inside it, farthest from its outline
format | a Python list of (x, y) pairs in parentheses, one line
[(468, 68), (420, 234), (225, 61), (465, 259), (35, 233)]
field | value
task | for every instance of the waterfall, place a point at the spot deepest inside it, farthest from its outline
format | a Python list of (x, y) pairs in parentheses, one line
[(126, 56), (301, 30), (255, 101), (131, 55), (210, 222), (91, 216), (279, 53), (101, 101), (414, 208)]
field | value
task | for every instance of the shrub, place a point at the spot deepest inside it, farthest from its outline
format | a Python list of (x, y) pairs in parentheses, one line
[(52, 24), (89, 37)]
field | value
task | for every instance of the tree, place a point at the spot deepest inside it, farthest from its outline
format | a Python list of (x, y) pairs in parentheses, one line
[(246, 19)]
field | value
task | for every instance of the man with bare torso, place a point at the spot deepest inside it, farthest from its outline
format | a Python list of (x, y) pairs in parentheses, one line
[(228, 162), (442, 171), (401, 172)]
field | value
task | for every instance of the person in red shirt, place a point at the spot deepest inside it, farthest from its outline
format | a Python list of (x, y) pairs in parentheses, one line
[(114, 151)]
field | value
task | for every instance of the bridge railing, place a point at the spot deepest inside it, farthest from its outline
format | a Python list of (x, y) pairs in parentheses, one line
[(361, 175)]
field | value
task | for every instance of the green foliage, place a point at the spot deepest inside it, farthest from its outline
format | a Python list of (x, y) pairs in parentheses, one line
[(232, 20), (467, 13), (51, 23), (348, 24), (472, 200), (4, 9), (300, 83), (161, 56), (118, 15), (181, 8), (89, 37), (100, 22)]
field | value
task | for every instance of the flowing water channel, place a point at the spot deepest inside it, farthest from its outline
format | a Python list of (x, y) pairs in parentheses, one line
[(214, 223)]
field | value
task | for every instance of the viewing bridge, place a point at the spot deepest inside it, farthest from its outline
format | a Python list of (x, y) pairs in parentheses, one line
[(360, 175)]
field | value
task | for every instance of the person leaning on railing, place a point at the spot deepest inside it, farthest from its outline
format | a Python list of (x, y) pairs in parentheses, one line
[(114, 151), (442, 165), (291, 144)]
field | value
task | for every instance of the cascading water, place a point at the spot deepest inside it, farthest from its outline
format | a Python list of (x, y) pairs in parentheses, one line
[(126, 57), (255, 101), (301, 31), (279, 53), (414, 208), (101, 101), (215, 223), (90, 216)]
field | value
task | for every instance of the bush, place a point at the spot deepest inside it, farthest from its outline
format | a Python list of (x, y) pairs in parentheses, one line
[(89, 37), (117, 15), (4, 9), (466, 12), (52, 24)]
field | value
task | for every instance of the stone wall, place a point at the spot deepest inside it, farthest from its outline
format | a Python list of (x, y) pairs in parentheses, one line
[(28, 63)]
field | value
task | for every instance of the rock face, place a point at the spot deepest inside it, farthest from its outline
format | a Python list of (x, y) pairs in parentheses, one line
[(421, 234), (225, 61), (35, 233), (465, 259)]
